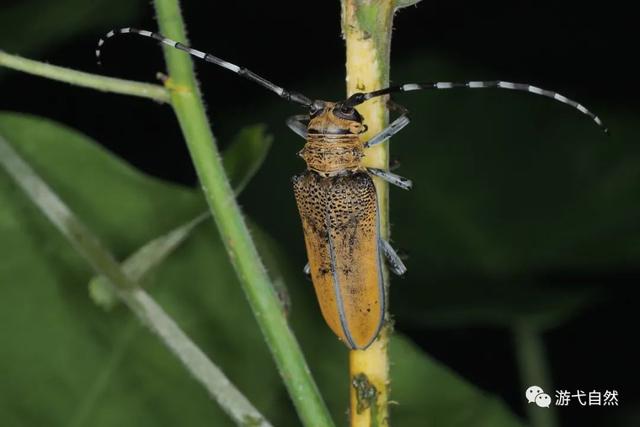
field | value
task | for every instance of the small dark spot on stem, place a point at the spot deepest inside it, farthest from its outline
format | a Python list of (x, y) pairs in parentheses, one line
[(366, 393)]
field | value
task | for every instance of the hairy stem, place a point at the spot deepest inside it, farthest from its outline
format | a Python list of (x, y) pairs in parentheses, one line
[(366, 27), (79, 78), (255, 282)]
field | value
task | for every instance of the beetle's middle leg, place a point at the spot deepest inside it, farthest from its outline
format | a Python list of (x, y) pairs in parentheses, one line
[(396, 126), (395, 263), (307, 270), (298, 125), (391, 178)]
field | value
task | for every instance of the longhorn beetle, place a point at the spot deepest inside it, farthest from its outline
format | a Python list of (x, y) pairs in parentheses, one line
[(336, 197)]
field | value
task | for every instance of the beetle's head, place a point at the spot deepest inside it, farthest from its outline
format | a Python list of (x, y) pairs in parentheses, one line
[(337, 118)]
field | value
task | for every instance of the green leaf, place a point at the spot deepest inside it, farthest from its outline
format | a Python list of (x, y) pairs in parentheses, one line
[(496, 305), (142, 261), (103, 369), (243, 158)]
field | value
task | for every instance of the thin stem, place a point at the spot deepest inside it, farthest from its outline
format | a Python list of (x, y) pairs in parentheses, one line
[(366, 27), (91, 397), (534, 370), (142, 305), (79, 78), (255, 282)]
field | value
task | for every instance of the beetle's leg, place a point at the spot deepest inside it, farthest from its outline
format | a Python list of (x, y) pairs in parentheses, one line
[(298, 125), (307, 270), (395, 263), (391, 178), (396, 126)]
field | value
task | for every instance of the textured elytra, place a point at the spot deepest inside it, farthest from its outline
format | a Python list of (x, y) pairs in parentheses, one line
[(340, 222)]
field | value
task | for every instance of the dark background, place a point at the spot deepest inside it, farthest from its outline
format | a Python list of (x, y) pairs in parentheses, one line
[(582, 51)]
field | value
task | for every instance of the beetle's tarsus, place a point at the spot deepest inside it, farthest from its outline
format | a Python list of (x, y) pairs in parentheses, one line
[(307, 270), (395, 263), (391, 178)]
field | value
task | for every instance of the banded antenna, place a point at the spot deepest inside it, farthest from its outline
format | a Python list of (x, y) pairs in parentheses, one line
[(359, 98), (248, 74)]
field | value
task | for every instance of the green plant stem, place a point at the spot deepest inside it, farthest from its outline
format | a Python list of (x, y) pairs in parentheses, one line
[(189, 109), (143, 306), (532, 364), (79, 78), (91, 397)]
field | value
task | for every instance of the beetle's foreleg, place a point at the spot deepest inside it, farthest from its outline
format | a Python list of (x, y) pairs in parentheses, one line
[(391, 178), (395, 263), (298, 125), (396, 126)]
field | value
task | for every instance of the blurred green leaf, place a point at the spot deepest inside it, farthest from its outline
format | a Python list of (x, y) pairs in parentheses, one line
[(498, 306), (245, 155), (432, 395), (142, 261), (99, 369), (143, 306), (92, 368)]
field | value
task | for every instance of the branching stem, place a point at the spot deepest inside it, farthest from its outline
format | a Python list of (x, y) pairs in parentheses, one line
[(140, 303), (80, 78)]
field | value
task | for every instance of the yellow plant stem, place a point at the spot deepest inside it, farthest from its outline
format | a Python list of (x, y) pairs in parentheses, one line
[(366, 27)]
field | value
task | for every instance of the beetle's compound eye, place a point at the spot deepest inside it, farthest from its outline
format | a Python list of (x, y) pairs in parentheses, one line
[(346, 110)]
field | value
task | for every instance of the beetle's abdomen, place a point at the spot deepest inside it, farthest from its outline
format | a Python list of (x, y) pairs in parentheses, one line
[(331, 155), (340, 222)]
